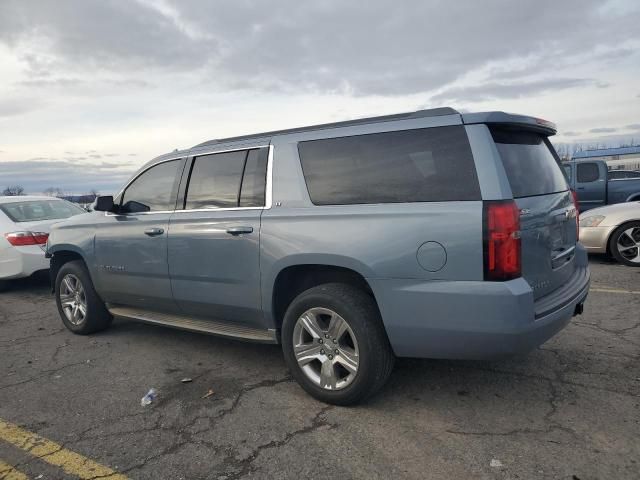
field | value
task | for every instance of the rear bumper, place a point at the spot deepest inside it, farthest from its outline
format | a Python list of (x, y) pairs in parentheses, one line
[(19, 262), (475, 320)]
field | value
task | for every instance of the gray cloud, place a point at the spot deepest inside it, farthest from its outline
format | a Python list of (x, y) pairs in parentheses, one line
[(603, 130), (10, 107), (634, 126), (491, 91), (109, 34), (571, 134), (37, 174), (330, 46)]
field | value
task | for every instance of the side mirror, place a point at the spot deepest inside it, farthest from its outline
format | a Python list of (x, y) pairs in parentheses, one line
[(104, 204)]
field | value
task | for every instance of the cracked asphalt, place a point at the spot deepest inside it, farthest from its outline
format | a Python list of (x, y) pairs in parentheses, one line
[(570, 409)]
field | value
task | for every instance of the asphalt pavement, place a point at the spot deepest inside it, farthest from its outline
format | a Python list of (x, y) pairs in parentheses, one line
[(70, 405)]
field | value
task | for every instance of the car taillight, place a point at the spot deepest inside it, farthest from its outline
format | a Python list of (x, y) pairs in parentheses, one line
[(577, 205), (21, 239), (502, 250)]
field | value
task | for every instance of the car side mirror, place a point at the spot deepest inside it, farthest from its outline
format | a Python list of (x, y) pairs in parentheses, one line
[(104, 204)]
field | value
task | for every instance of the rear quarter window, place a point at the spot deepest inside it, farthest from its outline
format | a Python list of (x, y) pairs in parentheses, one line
[(422, 165), (530, 163)]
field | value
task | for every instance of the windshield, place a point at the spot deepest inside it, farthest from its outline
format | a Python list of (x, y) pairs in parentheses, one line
[(530, 163), (35, 210)]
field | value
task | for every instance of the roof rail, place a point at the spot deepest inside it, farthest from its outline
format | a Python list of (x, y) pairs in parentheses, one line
[(433, 112)]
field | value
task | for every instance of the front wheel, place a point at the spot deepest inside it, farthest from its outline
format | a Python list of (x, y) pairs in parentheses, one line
[(4, 285), (335, 344), (625, 244), (80, 308)]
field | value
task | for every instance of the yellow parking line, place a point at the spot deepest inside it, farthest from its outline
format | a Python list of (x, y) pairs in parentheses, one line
[(54, 454), (614, 290), (7, 472)]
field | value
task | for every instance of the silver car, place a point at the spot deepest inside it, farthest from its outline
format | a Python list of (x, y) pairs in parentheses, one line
[(428, 234), (614, 230)]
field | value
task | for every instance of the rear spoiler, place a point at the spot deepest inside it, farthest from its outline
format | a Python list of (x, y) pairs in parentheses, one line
[(509, 119)]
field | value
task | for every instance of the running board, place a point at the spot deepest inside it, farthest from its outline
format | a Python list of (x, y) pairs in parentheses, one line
[(191, 324)]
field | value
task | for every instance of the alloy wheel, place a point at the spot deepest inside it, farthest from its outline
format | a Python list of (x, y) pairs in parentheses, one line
[(326, 348), (628, 244), (73, 299)]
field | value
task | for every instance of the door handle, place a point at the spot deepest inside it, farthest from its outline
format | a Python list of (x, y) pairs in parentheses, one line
[(239, 230), (154, 232), (580, 188)]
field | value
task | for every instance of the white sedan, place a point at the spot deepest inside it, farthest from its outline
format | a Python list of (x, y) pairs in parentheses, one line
[(24, 228)]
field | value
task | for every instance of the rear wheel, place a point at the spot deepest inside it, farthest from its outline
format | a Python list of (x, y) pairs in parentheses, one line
[(4, 285), (624, 244), (335, 344), (80, 308)]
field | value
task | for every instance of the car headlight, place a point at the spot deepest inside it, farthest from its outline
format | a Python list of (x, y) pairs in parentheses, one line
[(592, 221)]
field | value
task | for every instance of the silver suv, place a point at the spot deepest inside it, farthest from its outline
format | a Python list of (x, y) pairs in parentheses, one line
[(427, 234)]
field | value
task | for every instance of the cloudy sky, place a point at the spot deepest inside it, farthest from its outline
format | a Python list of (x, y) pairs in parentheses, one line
[(91, 89)]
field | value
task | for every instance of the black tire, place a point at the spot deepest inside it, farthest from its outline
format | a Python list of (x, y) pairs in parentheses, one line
[(4, 285), (613, 243), (97, 317), (360, 312)]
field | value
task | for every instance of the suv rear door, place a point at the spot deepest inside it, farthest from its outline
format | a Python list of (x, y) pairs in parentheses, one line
[(214, 247), (547, 213)]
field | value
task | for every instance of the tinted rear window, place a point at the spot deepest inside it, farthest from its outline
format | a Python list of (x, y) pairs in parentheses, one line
[(228, 180), (255, 179), (35, 210), (423, 165), (215, 180), (530, 163)]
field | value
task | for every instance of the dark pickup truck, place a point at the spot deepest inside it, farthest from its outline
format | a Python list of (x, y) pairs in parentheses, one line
[(596, 186)]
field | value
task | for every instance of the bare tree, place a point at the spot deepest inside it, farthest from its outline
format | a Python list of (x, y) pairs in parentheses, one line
[(13, 191), (54, 192)]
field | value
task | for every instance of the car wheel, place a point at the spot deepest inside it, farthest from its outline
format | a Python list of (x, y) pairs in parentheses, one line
[(80, 308), (624, 244), (4, 285), (335, 344)]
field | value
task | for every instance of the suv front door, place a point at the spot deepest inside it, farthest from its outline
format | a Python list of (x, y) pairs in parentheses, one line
[(214, 247), (131, 245)]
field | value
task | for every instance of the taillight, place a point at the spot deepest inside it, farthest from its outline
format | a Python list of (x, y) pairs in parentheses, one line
[(502, 250), (577, 205), (21, 239)]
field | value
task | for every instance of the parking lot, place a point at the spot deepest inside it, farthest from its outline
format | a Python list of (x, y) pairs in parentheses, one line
[(70, 405)]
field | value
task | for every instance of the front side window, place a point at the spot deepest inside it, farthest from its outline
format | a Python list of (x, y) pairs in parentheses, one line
[(587, 172), (422, 165), (152, 191), (36, 210), (228, 180)]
